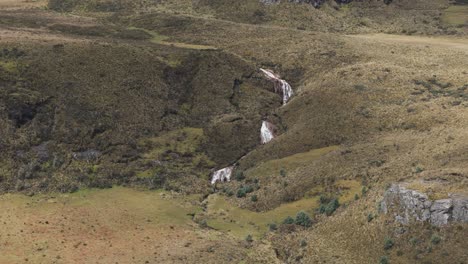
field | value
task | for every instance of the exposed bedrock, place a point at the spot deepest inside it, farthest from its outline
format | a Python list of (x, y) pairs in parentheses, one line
[(410, 205)]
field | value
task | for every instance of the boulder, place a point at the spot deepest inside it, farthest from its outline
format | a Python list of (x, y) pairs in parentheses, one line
[(410, 205), (441, 212)]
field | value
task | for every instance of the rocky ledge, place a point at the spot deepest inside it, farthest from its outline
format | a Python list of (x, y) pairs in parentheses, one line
[(408, 205)]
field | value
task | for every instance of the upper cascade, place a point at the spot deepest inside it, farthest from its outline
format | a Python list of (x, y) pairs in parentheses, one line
[(280, 85), (222, 175), (266, 132)]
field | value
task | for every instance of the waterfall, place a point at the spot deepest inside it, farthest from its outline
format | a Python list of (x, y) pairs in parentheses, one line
[(222, 175), (266, 132), (267, 129), (281, 86)]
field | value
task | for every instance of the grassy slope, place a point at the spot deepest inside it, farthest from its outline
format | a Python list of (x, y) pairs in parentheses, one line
[(115, 225), (385, 100)]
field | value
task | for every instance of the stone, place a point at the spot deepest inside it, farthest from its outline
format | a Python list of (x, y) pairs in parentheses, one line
[(410, 205), (441, 212), (88, 155), (460, 210)]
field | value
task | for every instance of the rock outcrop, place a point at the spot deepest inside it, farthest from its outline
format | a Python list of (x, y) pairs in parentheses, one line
[(408, 205), (315, 3)]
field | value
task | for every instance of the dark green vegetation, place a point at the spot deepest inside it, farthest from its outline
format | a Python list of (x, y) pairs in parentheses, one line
[(303, 219), (158, 94), (328, 205), (93, 114)]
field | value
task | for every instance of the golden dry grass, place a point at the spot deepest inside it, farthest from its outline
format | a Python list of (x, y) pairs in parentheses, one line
[(377, 97)]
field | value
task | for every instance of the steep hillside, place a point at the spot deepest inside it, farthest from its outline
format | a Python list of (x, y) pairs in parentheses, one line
[(157, 95)]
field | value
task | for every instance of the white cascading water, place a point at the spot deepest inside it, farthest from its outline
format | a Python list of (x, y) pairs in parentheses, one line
[(280, 85), (266, 132), (222, 175)]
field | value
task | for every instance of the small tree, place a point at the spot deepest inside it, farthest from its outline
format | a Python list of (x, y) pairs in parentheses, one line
[(249, 238), (303, 219)]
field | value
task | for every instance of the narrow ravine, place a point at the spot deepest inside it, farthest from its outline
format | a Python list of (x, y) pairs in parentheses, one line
[(267, 133)]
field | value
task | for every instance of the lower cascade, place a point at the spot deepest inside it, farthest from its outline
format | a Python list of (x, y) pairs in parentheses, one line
[(222, 175), (266, 132), (267, 129), (280, 85)]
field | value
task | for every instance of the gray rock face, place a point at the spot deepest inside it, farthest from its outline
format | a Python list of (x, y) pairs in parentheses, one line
[(269, 2), (88, 155), (441, 212), (408, 205), (460, 209), (315, 3)]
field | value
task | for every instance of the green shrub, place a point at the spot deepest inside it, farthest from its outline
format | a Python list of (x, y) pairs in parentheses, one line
[(364, 190), (323, 199), (248, 189), (272, 227), (241, 193), (303, 243), (327, 205), (303, 219), (418, 170), (288, 221), (283, 172), (331, 207), (249, 238), (414, 241), (435, 239), (239, 175), (322, 209), (383, 260), (356, 197), (388, 243), (370, 217), (254, 198)]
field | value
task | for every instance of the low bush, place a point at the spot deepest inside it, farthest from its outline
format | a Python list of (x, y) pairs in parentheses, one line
[(272, 227), (388, 243), (435, 239), (370, 217), (383, 260), (283, 172), (288, 221), (254, 198), (241, 193), (303, 219), (239, 175)]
